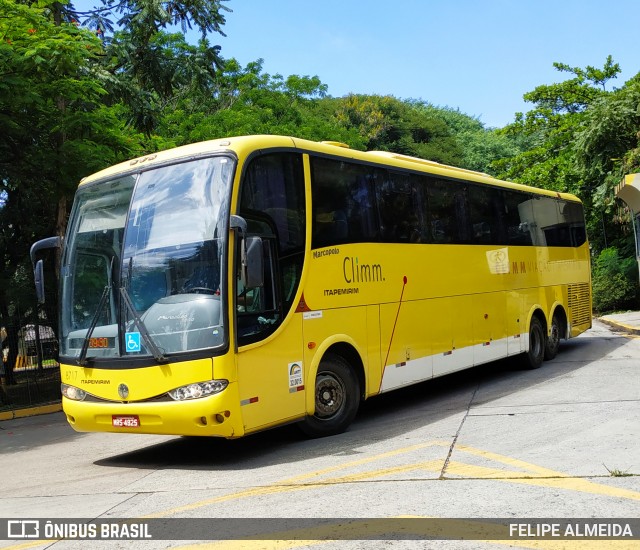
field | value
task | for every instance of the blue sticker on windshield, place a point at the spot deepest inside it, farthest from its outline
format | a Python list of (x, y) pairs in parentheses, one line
[(132, 340)]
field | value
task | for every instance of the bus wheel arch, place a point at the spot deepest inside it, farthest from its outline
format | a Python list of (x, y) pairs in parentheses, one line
[(557, 330), (534, 356), (337, 392)]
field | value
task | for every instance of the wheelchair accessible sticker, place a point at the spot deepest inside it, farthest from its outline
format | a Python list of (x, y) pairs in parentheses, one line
[(132, 340)]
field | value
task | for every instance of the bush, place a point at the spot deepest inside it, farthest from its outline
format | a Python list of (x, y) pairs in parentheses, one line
[(615, 282)]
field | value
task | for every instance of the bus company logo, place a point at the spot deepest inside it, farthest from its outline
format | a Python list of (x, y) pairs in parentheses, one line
[(356, 272), (123, 391), (326, 252)]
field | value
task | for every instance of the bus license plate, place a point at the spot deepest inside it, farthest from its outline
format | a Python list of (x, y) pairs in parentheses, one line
[(125, 421)]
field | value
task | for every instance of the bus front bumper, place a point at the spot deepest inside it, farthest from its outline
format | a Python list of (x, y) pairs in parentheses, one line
[(209, 416)]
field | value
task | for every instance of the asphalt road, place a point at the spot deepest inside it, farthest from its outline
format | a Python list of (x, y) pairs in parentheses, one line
[(494, 442)]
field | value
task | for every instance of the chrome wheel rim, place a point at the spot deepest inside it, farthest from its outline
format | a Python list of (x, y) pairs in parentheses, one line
[(330, 395)]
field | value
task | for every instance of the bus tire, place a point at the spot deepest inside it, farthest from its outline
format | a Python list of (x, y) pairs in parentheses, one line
[(337, 397), (537, 340), (553, 340)]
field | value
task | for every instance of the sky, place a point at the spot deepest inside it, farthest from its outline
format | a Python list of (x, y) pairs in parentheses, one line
[(476, 56)]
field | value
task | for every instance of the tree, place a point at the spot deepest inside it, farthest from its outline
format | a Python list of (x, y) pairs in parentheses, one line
[(245, 100), (549, 130), (480, 146), (54, 130), (582, 139), (67, 93), (149, 66), (389, 124), (607, 143)]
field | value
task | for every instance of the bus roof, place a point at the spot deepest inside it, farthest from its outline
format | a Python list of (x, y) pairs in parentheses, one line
[(242, 146)]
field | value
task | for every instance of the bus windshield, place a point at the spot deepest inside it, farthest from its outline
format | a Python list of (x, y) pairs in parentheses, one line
[(143, 263)]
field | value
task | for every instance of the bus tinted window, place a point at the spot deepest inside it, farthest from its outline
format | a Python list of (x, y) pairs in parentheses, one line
[(518, 218), (448, 212), (566, 227), (274, 190), (359, 203), (273, 203), (485, 204), (343, 202), (401, 205)]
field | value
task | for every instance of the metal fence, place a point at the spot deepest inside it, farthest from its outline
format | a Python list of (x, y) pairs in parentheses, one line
[(29, 371)]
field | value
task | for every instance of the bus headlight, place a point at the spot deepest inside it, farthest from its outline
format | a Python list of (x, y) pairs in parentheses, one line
[(73, 393), (198, 390)]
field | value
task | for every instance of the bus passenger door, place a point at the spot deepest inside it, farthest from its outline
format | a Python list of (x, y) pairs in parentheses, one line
[(270, 359), (268, 332), (270, 378)]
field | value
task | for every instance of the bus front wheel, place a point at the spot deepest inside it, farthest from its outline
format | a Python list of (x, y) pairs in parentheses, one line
[(537, 342), (337, 397)]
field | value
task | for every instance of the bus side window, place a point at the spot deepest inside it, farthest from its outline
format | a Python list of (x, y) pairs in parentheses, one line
[(448, 211), (518, 217), (400, 201), (272, 201), (343, 202), (485, 205)]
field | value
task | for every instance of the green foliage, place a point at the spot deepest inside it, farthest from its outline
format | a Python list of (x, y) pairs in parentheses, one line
[(152, 78), (481, 147), (245, 100), (582, 139), (146, 17), (551, 127), (389, 124), (576, 94), (55, 130), (579, 138), (615, 282), (607, 144)]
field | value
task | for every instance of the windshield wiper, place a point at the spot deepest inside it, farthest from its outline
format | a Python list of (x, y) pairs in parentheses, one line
[(142, 329), (82, 358)]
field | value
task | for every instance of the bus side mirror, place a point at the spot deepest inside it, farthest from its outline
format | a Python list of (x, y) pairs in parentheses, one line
[(251, 254), (252, 264), (38, 275), (38, 268)]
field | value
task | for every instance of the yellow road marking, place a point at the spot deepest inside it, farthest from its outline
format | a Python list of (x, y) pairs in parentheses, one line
[(292, 483), (522, 473), (519, 472), (33, 544), (432, 465), (533, 475)]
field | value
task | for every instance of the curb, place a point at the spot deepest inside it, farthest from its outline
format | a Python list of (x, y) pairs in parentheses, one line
[(31, 411), (620, 326)]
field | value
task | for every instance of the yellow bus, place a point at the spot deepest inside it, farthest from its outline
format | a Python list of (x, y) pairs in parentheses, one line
[(229, 286)]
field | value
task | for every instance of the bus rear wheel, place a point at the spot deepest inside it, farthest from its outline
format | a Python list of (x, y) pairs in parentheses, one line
[(537, 341), (337, 397), (553, 340)]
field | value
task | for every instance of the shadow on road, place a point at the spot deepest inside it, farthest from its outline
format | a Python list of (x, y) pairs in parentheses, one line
[(380, 418)]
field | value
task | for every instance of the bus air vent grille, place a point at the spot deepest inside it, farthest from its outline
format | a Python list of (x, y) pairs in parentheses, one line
[(580, 304)]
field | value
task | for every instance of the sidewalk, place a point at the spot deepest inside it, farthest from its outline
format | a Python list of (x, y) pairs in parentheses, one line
[(625, 322)]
